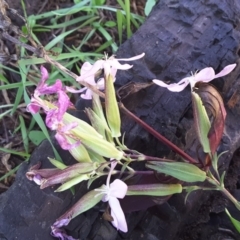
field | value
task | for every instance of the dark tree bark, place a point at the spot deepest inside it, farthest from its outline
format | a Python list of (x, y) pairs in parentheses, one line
[(178, 37)]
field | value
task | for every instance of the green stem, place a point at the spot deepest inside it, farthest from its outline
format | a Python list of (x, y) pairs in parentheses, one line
[(157, 135), (215, 182), (231, 198)]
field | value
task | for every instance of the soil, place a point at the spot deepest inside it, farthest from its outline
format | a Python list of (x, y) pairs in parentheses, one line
[(179, 37)]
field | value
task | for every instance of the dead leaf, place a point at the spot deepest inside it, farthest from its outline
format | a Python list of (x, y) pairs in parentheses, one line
[(214, 105), (5, 157), (131, 88)]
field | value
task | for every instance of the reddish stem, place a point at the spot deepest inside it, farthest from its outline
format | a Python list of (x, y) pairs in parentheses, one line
[(157, 135)]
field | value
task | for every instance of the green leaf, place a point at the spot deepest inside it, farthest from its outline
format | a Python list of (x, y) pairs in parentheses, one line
[(36, 136), (183, 171), (202, 122), (120, 25), (235, 222), (24, 133), (154, 189), (57, 163), (72, 182), (88, 201), (148, 7), (110, 24), (79, 152)]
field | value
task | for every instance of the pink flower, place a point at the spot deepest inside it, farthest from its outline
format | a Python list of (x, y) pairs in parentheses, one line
[(63, 132), (41, 89), (205, 75), (117, 189), (54, 111), (88, 72)]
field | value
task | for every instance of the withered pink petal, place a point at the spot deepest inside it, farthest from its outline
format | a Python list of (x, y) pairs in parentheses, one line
[(119, 220), (63, 104), (226, 70), (43, 173), (61, 222), (46, 89), (63, 142), (37, 179), (60, 234), (51, 119), (68, 127), (44, 76), (33, 108)]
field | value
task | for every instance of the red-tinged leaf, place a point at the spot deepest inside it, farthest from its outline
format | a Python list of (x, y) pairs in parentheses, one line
[(213, 102)]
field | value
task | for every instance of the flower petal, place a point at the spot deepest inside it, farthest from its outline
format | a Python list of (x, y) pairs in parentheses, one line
[(174, 87), (226, 70), (63, 142), (118, 189), (63, 104), (119, 220), (89, 73), (132, 58), (33, 108), (44, 76), (205, 75), (87, 95), (115, 64), (46, 89), (60, 234)]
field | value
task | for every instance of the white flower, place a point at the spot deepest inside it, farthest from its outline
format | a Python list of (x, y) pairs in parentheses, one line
[(117, 189), (205, 75), (88, 72)]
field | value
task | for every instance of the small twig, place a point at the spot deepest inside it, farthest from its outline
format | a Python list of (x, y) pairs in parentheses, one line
[(157, 135), (16, 41)]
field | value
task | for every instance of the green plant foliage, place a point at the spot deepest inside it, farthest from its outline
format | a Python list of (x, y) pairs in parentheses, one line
[(183, 171), (148, 7), (36, 136), (235, 222)]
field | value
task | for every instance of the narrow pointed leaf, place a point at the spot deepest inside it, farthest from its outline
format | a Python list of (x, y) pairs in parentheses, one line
[(98, 145), (72, 182), (235, 222), (88, 201), (154, 189), (202, 123), (57, 164), (182, 171)]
